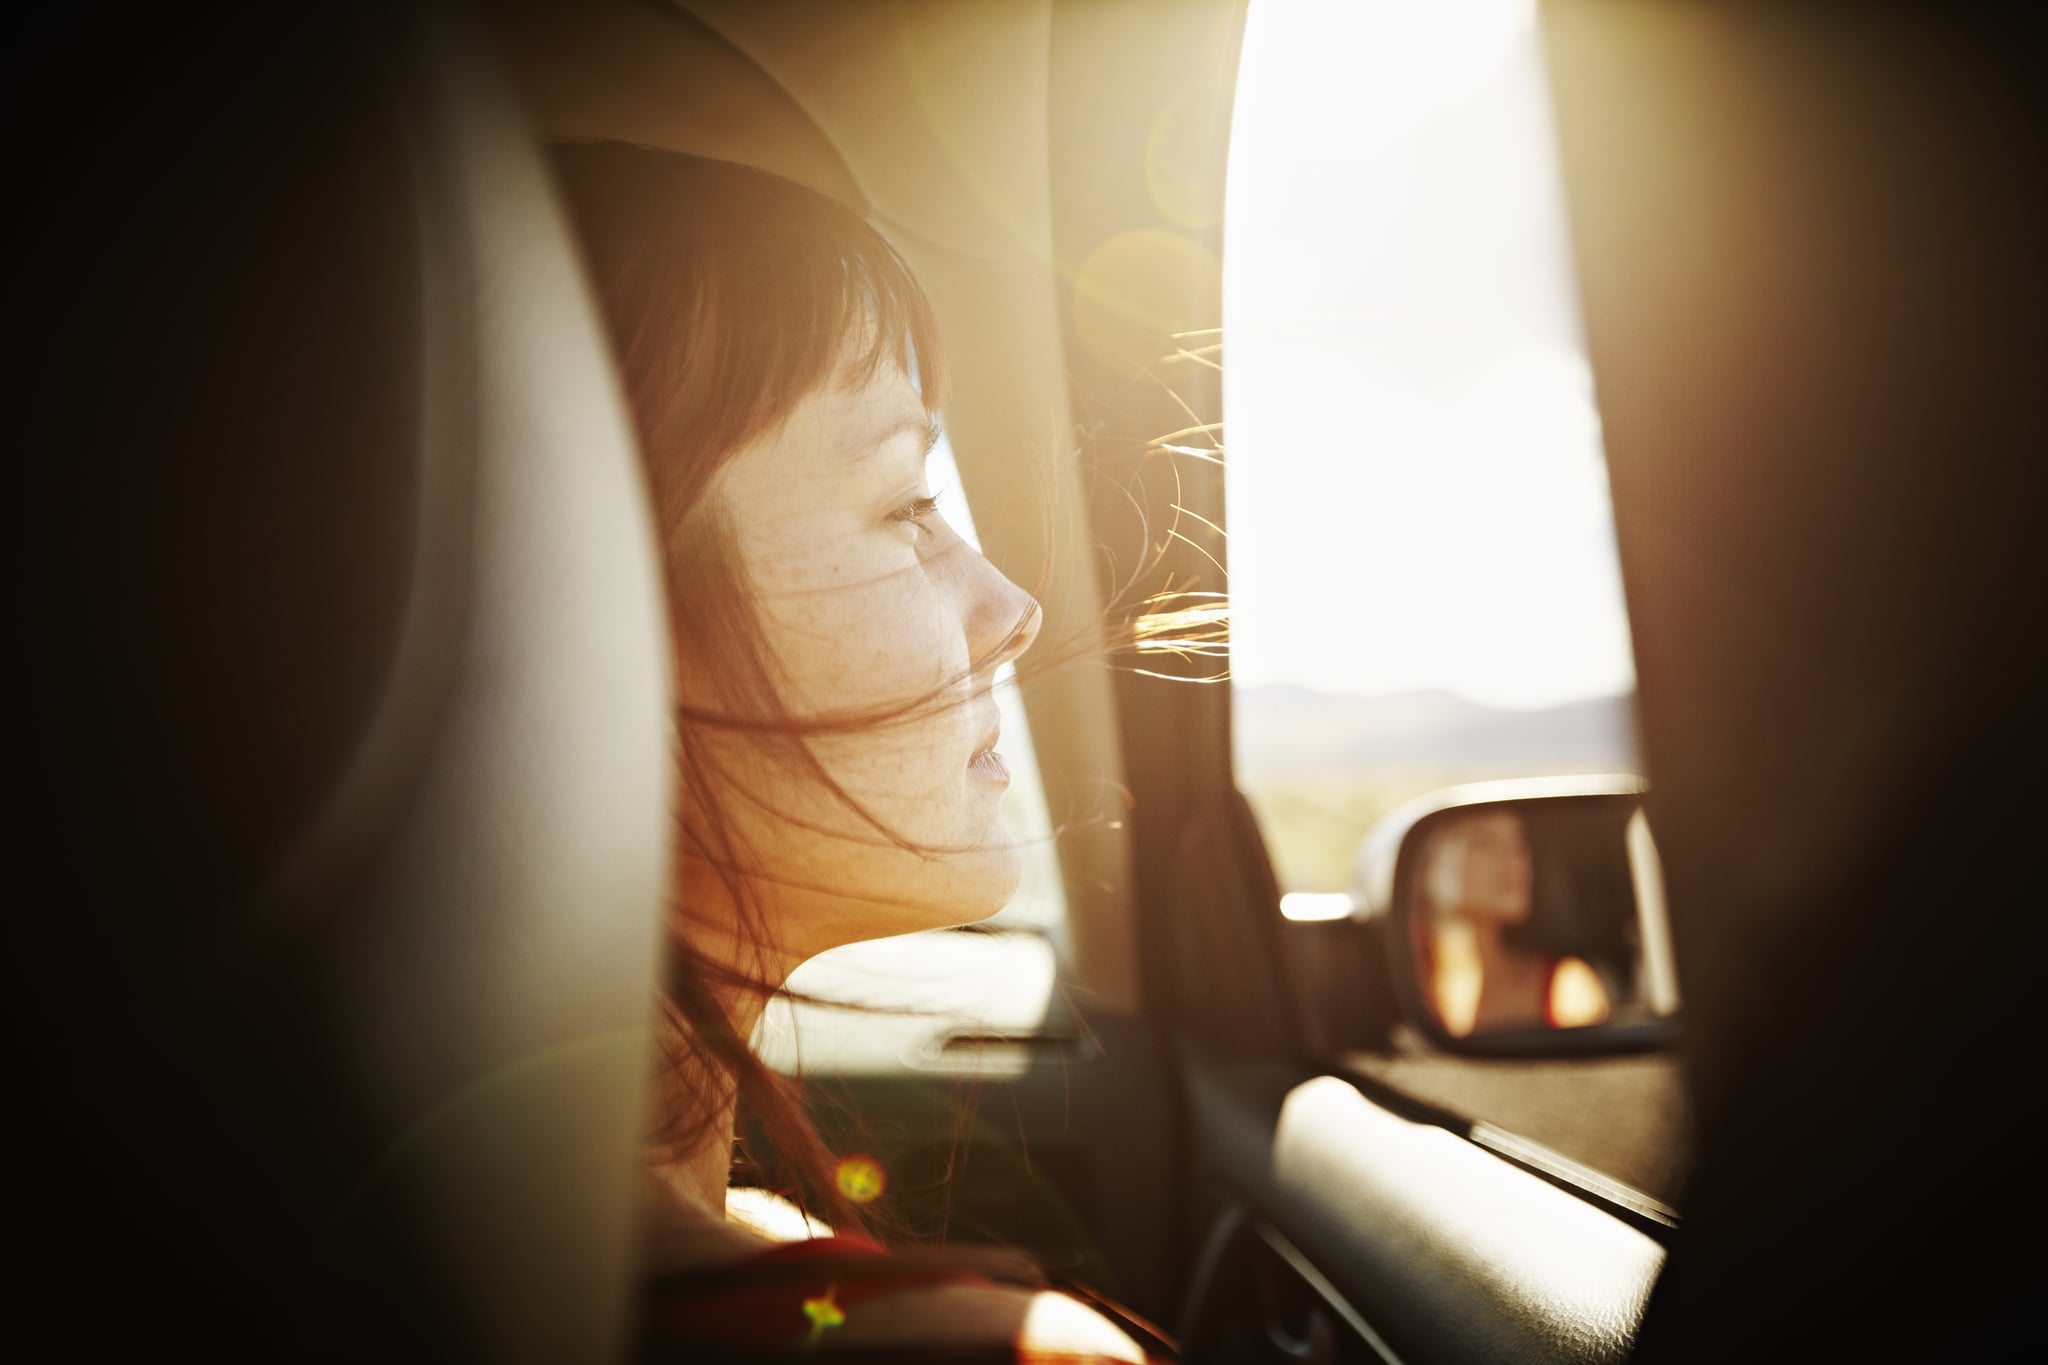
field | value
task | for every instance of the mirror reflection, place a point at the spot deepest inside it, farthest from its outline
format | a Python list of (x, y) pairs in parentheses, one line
[(1527, 916)]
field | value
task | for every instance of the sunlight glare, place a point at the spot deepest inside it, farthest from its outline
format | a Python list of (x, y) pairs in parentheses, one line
[(1417, 493), (1310, 907)]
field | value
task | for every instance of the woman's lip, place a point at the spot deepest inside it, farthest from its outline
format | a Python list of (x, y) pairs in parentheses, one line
[(988, 763)]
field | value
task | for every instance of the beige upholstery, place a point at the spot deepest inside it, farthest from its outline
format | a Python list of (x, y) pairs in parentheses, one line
[(354, 736), (511, 914)]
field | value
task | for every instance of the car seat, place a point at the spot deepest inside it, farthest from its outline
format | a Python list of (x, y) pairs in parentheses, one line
[(346, 720)]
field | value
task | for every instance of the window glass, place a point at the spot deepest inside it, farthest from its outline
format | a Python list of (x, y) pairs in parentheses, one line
[(909, 995), (1423, 578)]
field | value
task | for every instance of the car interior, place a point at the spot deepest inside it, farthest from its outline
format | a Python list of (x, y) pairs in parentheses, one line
[(346, 695)]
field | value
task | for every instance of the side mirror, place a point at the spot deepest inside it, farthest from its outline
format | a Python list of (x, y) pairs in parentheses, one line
[(1524, 918)]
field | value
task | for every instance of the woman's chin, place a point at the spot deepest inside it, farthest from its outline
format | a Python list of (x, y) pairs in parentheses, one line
[(942, 892), (966, 888), (998, 873)]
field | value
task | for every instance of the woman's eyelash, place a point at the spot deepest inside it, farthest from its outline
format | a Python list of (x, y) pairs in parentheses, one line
[(916, 510)]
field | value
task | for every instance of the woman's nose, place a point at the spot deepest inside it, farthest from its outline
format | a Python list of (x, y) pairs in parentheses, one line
[(1004, 619)]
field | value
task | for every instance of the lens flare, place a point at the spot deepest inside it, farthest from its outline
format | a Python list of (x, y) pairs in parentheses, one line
[(823, 1312), (860, 1179)]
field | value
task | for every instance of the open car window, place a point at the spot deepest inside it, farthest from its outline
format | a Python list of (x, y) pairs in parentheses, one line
[(1422, 545), (1424, 582)]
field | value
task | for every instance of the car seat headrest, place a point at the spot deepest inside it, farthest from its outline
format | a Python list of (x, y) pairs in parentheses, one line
[(351, 738)]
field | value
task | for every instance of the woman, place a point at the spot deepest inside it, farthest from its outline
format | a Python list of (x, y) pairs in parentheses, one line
[(835, 646), (1478, 887)]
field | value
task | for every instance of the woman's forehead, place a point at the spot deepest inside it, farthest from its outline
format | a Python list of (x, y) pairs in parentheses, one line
[(884, 407), (833, 435)]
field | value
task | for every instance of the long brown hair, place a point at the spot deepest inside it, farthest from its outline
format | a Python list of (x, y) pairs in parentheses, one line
[(731, 294)]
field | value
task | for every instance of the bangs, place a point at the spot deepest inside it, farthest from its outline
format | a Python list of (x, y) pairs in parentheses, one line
[(811, 296), (884, 320), (733, 294)]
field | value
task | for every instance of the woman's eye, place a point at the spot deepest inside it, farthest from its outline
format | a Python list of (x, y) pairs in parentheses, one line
[(917, 514)]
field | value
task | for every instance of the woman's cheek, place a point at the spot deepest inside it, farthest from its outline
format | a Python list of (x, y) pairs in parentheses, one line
[(900, 649), (851, 625)]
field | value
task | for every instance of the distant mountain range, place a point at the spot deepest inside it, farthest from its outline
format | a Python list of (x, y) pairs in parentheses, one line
[(1288, 732)]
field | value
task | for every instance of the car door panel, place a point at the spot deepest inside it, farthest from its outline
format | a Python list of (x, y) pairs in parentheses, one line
[(1442, 1249)]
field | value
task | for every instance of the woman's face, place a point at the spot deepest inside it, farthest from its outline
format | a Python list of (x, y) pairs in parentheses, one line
[(867, 600), (1498, 879)]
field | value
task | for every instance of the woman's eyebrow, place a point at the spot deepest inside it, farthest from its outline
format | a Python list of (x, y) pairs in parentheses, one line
[(906, 422)]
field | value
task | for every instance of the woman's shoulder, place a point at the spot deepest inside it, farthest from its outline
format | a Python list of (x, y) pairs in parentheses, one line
[(886, 1314), (739, 1283), (1034, 1323), (680, 1236)]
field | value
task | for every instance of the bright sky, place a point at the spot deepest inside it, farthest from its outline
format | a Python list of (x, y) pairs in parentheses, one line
[(1416, 494)]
